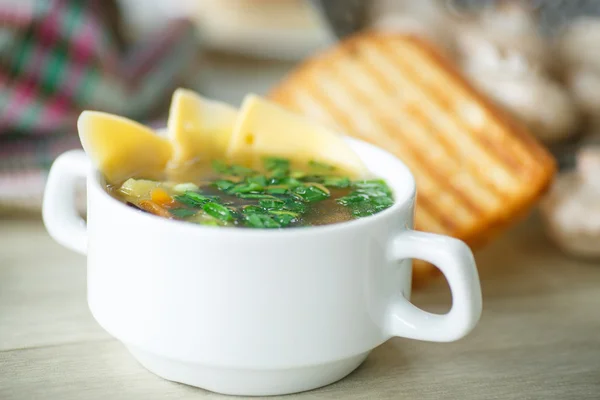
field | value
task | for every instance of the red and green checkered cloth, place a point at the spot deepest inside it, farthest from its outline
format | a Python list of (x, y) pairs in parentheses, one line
[(58, 57)]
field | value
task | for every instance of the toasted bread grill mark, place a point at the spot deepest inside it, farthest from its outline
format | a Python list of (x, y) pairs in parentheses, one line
[(433, 79), (466, 146), (464, 209), (439, 150), (477, 170), (424, 218), (503, 153), (497, 116), (509, 138), (467, 150), (357, 86), (427, 185), (377, 129), (507, 131), (345, 119), (431, 219)]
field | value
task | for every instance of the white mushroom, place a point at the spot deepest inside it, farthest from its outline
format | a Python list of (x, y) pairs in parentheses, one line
[(577, 48), (577, 44), (511, 26), (524, 89), (501, 50), (584, 85), (571, 210), (588, 168)]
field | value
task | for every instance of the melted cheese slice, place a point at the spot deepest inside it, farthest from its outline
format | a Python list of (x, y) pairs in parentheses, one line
[(265, 129), (198, 128), (121, 148)]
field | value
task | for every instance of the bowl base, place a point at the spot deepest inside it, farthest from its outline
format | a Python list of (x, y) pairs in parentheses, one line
[(247, 382)]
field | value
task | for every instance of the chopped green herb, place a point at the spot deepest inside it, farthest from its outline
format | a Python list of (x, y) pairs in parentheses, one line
[(220, 167), (298, 174), (279, 173), (271, 204), (246, 188), (252, 210), (290, 182), (283, 219), (296, 206), (282, 212), (258, 179), (363, 210), (235, 170), (311, 178), (383, 201), (224, 185), (182, 212), (209, 222), (320, 166), (367, 198), (254, 220), (376, 185), (262, 221), (352, 198), (238, 170), (277, 198), (255, 196), (273, 163), (218, 211), (193, 199), (310, 193), (337, 182), (270, 222), (277, 190)]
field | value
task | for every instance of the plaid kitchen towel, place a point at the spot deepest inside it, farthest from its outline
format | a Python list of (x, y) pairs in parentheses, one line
[(58, 57)]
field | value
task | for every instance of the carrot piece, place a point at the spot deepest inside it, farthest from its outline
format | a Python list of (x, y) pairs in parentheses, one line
[(154, 208), (161, 197)]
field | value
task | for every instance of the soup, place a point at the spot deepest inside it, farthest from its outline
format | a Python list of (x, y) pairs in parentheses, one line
[(278, 195)]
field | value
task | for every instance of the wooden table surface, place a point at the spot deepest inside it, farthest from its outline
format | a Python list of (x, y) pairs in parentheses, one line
[(539, 336)]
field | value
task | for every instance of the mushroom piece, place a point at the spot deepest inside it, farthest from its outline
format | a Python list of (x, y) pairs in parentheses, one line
[(505, 56), (576, 47), (522, 88), (571, 210), (588, 168), (510, 25), (584, 84)]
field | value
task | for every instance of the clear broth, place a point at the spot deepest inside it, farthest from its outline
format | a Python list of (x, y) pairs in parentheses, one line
[(310, 196)]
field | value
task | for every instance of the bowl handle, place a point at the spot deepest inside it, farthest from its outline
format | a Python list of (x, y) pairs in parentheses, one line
[(454, 258), (58, 210)]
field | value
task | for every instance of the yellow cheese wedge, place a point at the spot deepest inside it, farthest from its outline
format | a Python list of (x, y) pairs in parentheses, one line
[(198, 128), (121, 148), (265, 129)]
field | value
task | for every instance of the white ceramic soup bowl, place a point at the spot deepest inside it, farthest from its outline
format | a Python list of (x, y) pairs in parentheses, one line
[(258, 312)]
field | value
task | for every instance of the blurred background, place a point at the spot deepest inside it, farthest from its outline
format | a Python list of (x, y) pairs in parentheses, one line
[(535, 58), (58, 57)]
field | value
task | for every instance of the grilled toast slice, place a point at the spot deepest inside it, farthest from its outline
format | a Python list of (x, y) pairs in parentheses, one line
[(477, 170)]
